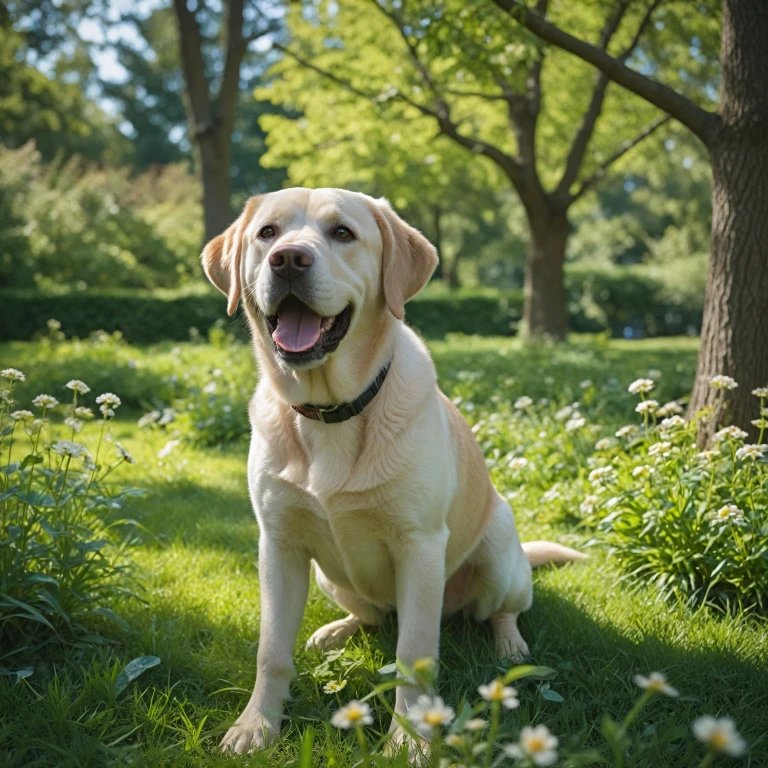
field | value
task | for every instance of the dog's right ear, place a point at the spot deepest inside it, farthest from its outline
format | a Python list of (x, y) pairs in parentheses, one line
[(221, 258)]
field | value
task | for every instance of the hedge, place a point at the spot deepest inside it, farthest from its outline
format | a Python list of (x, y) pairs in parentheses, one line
[(597, 301)]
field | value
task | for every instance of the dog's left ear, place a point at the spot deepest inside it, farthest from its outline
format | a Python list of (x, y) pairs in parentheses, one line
[(222, 256), (408, 258)]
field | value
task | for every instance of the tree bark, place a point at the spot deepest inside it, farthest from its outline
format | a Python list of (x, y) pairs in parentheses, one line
[(734, 337), (213, 152), (545, 312)]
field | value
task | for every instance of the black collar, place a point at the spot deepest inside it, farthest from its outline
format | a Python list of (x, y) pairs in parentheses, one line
[(333, 414)]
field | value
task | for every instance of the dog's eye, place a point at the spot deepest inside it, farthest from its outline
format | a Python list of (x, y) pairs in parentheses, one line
[(267, 232), (343, 233)]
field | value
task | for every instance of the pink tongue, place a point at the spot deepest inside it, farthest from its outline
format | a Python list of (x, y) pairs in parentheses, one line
[(298, 327)]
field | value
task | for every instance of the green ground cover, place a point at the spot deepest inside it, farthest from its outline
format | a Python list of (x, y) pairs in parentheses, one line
[(199, 608)]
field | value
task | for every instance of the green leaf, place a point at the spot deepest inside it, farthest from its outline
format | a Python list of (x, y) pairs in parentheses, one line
[(527, 670), (133, 670), (31, 459), (388, 669), (551, 695)]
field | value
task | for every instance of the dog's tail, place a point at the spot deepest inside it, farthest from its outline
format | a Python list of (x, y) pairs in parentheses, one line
[(545, 552)]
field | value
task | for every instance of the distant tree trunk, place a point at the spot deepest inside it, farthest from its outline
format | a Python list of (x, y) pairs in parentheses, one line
[(734, 337), (451, 272), (544, 311), (437, 234), (213, 152)]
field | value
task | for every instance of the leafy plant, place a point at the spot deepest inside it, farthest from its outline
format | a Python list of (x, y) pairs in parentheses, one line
[(62, 560)]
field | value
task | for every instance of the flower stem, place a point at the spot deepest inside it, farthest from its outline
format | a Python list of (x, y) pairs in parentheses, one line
[(495, 708)]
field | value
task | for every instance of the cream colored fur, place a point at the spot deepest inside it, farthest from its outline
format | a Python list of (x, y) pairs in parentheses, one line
[(394, 507)]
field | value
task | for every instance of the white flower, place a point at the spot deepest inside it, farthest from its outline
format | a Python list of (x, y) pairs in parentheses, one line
[(123, 454), (603, 445), (83, 413), (642, 471), (12, 374), (589, 503), (564, 413), (167, 448), (68, 448), (660, 449), (497, 691), (334, 686), (760, 392), (707, 455), (429, 712), (106, 411), (523, 402), (148, 418), (728, 512), (720, 734), (519, 462), (670, 409), (108, 399), (475, 724), (630, 429), (354, 714), (752, 451), (729, 433), (601, 474), (577, 422), (45, 401), (210, 388), (454, 740), (673, 422), (78, 386), (646, 406), (656, 683), (760, 423), (75, 424), (22, 415), (641, 385), (537, 744), (586, 384), (722, 382), (551, 495)]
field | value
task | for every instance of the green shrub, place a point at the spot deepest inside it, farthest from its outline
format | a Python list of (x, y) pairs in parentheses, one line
[(62, 562)]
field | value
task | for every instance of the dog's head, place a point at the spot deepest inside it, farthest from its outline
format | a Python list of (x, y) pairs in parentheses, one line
[(316, 267)]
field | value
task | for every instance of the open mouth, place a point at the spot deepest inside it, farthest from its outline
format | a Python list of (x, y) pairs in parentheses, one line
[(300, 335)]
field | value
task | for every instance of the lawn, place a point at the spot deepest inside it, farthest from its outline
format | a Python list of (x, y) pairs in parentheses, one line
[(199, 607)]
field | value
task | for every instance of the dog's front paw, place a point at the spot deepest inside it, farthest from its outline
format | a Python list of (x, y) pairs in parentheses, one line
[(399, 737), (251, 732), (335, 634)]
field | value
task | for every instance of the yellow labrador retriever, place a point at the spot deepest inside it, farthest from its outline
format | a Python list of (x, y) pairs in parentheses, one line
[(358, 463)]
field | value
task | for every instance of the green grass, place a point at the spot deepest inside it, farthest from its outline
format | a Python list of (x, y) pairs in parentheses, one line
[(200, 608)]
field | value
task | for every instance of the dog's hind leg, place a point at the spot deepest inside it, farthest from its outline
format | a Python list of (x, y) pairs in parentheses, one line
[(361, 612)]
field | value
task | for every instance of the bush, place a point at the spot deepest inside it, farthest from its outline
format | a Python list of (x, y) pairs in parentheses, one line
[(62, 564)]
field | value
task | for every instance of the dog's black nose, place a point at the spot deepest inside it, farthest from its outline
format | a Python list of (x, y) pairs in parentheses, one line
[(290, 261)]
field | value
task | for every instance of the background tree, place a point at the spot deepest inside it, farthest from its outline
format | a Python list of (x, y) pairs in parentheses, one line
[(735, 327), (550, 126), (213, 47)]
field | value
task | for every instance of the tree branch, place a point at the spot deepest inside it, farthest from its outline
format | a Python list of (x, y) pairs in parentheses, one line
[(235, 47), (701, 122), (602, 169)]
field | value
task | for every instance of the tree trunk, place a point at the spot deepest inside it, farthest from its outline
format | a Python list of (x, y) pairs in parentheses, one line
[(437, 233), (213, 151), (734, 336), (544, 310)]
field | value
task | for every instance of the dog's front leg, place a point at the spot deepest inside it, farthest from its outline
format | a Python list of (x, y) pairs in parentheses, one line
[(420, 578), (284, 581)]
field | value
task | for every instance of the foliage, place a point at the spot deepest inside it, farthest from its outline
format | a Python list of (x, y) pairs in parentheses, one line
[(62, 561), (74, 225)]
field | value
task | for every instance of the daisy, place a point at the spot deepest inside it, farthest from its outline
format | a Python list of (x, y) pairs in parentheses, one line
[(646, 406), (475, 724), (75, 424), (83, 413), (106, 411), (454, 740), (642, 471), (729, 433), (334, 686), (430, 712), (497, 691), (68, 448), (656, 683), (641, 385), (753, 451), (722, 382), (586, 384), (603, 445), (760, 392), (167, 448), (108, 399), (707, 455), (601, 474), (673, 422), (589, 504), (22, 415), (577, 422), (45, 401), (353, 715), (728, 512), (523, 402), (660, 449), (719, 734), (551, 495), (124, 455), (537, 744), (670, 409), (81, 388), (518, 463), (630, 429), (564, 413), (12, 374)]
